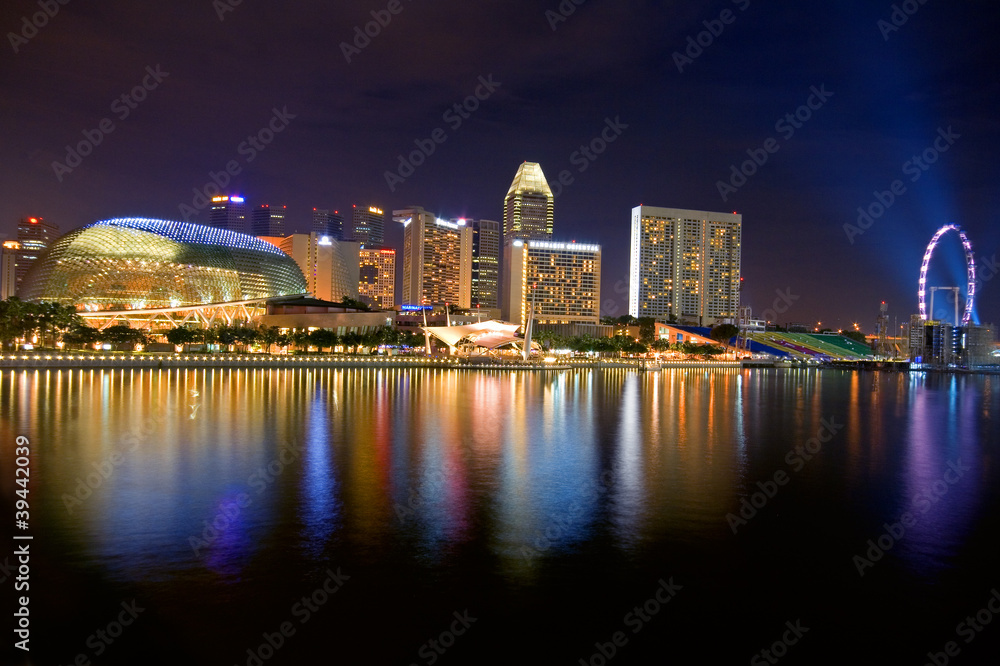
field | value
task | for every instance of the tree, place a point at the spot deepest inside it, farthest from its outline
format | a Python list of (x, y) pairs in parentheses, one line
[(269, 335), (355, 304), (647, 329), (16, 319), (80, 334), (723, 333), (323, 337), (181, 336), (122, 334), (857, 336)]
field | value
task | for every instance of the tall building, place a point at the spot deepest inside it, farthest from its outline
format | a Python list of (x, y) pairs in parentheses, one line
[(35, 236), (684, 264), (331, 267), (367, 226), (486, 244), (529, 205), (328, 223), (437, 259), (229, 212), (267, 220), (377, 286), (563, 279), (8, 269)]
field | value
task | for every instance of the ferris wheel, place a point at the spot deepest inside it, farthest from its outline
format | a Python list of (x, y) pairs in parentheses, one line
[(970, 265)]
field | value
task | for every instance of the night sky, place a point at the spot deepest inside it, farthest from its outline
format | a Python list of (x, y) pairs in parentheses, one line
[(892, 91)]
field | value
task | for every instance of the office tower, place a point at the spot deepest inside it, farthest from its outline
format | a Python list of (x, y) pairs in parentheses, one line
[(528, 207), (229, 212), (331, 267), (34, 235), (437, 259), (684, 264), (367, 226), (267, 220), (8, 269), (486, 244), (328, 223), (564, 279), (377, 286)]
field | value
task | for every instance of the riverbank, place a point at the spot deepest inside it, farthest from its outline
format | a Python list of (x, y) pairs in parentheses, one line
[(125, 360)]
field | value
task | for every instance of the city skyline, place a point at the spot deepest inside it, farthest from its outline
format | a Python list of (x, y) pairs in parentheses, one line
[(809, 157)]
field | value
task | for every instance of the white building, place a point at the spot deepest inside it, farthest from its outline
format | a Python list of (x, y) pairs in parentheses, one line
[(564, 279)]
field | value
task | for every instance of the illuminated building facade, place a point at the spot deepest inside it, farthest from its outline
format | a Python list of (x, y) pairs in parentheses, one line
[(8, 269), (330, 267), (137, 263), (563, 278), (367, 226), (230, 213), (377, 286), (326, 222), (528, 208), (437, 259), (267, 220), (685, 264), (486, 244), (35, 236)]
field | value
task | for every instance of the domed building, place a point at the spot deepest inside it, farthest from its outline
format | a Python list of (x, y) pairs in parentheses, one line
[(145, 264)]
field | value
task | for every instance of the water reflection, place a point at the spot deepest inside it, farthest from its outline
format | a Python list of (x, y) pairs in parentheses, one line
[(529, 466)]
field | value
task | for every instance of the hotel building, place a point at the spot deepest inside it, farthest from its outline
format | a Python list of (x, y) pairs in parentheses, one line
[(564, 279), (684, 264), (437, 259)]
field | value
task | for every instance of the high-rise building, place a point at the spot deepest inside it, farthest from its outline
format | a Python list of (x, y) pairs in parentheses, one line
[(328, 222), (486, 245), (331, 267), (229, 212), (367, 226), (8, 269), (685, 264), (563, 279), (528, 207), (34, 235), (437, 259), (267, 220), (378, 277)]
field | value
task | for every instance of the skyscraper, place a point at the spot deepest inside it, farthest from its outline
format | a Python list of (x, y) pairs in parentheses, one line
[(486, 244), (331, 267), (684, 264), (328, 223), (8, 269), (34, 235), (378, 277), (437, 259), (367, 226), (564, 279), (229, 212), (267, 220), (528, 207)]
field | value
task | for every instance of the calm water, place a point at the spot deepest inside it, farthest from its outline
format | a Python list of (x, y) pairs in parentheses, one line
[(547, 512)]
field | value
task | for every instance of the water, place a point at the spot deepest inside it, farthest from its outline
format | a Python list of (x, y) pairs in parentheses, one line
[(508, 517)]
